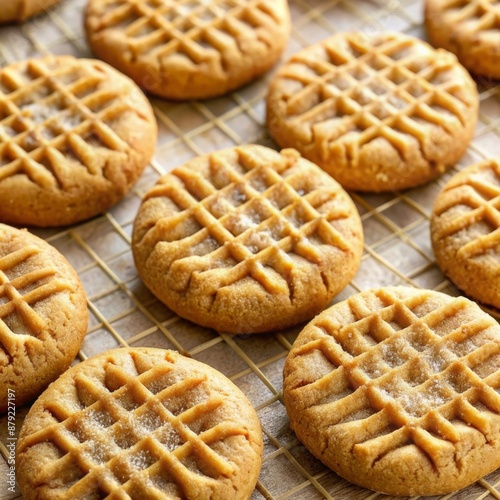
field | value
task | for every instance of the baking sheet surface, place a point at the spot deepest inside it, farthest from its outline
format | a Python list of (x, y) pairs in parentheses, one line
[(124, 313)]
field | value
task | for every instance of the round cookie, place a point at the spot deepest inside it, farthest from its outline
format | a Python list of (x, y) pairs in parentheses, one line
[(397, 390), (379, 113), (43, 315), (140, 423), (75, 135), (247, 240), (465, 231), (189, 49), (470, 29), (20, 10)]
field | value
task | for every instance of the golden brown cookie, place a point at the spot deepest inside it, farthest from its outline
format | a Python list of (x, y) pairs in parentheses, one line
[(397, 390), (378, 113), (20, 10), (468, 28), (140, 424), (465, 231), (189, 49), (75, 135), (43, 315), (247, 240)]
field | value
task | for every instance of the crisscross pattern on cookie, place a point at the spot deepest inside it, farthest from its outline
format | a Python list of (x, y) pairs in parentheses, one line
[(194, 30), (473, 15), (416, 368), (20, 291), (354, 89), (57, 120), (143, 429), (245, 218), (471, 206)]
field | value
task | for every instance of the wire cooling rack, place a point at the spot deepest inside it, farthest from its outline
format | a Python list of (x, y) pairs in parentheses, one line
[(124, 313)]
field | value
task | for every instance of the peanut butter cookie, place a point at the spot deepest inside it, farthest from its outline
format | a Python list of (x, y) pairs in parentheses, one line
[(379, 113), (397, 390), (140, 424), (43, 315), (247, 240), (189, 49), (465, 231), (468, 28), (75, 135)]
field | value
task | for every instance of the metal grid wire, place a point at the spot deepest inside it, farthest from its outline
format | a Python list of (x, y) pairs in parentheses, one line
[(124, 313)]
